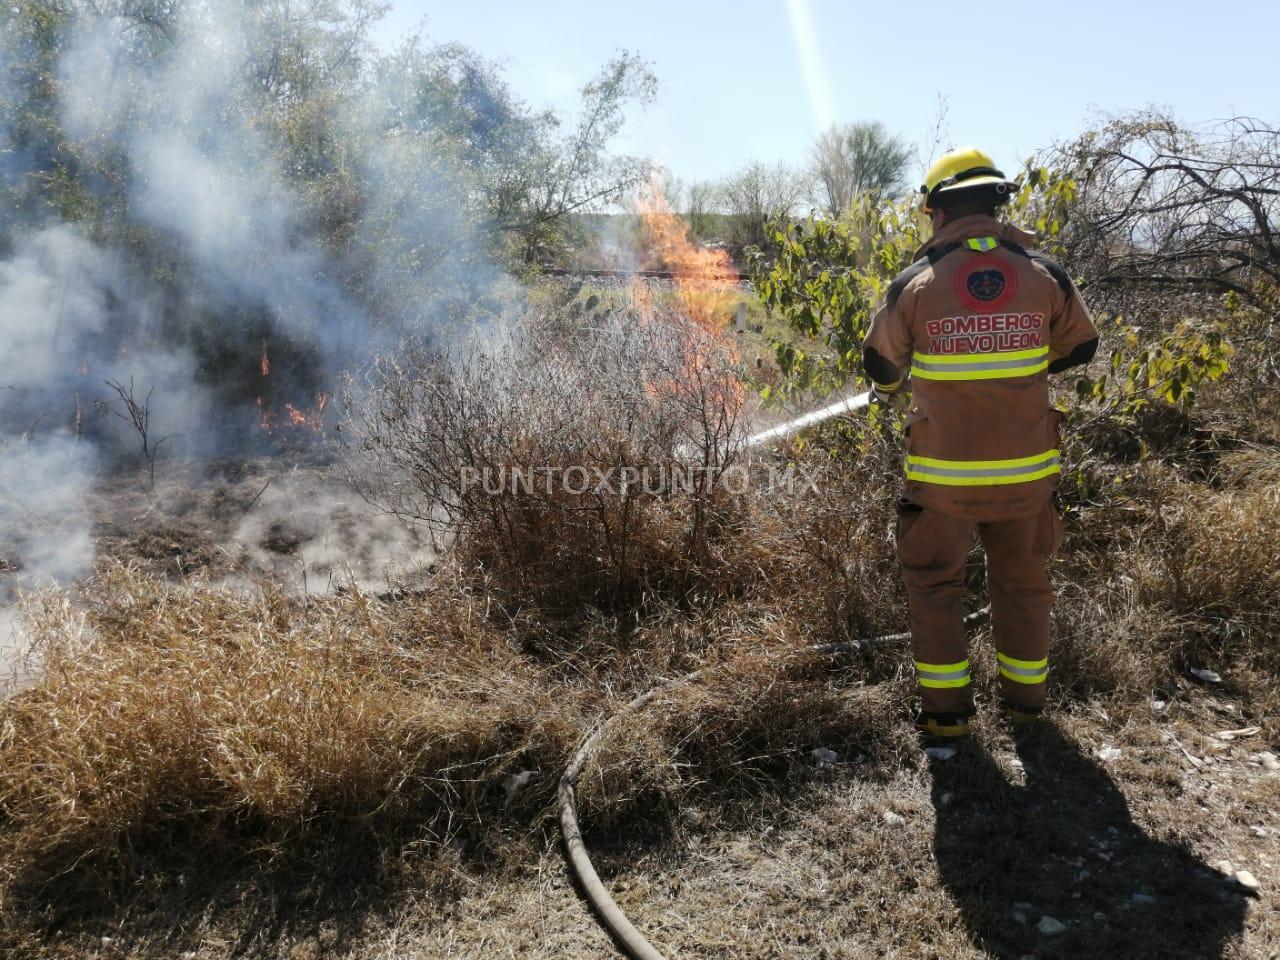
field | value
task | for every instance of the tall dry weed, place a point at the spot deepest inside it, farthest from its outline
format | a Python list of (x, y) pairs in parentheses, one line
[(580, 464)]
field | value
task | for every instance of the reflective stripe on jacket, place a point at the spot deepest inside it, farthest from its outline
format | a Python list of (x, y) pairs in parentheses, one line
[(976, 321)]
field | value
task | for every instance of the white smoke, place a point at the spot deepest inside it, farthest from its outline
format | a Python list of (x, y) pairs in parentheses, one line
[(51, 296), (201, 174), (59, 297), (44, 484), (332, 538), (212, 200)]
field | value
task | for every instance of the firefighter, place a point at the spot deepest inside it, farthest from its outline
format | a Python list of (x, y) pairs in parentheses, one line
[(977, 323)]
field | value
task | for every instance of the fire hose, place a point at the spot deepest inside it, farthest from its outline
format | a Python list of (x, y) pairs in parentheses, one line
[(606, 909)]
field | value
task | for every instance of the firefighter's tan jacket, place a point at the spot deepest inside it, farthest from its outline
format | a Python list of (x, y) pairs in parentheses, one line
[(976, 321)]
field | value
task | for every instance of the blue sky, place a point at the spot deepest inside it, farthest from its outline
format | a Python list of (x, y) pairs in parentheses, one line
[(758, 79)]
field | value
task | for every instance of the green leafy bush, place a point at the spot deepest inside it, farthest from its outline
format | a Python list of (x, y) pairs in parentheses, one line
[(1171, 368)]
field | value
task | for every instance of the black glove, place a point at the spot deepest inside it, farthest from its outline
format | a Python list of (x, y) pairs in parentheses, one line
[(886, 397)]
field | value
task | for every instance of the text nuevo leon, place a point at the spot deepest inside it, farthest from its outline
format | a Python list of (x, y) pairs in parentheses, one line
[(985, 333)]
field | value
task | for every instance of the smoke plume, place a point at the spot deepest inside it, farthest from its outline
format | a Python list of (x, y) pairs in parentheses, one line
[(194, 259)]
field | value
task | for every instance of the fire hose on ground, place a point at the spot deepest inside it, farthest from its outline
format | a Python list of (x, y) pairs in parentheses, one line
[(602, 903), (597, 894)]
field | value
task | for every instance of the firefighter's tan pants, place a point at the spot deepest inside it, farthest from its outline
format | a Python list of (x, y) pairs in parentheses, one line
[(932, 548)]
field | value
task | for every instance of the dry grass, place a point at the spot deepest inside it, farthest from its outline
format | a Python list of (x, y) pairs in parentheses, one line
[(1161, 574), (258, 727), (260, 721), (181, 722), (409, 743)]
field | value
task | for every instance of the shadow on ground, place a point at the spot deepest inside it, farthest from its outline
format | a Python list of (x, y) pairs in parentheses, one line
[(1062, 847), (320, 899)]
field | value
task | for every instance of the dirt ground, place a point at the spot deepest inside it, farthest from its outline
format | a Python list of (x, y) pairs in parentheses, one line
[(1088, 838), (970, 857)]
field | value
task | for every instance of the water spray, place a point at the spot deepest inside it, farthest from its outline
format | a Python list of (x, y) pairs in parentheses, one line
[(848, 405)]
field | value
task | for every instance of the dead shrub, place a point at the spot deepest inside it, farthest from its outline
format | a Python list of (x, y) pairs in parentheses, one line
[(588, 463), (1159, 575), (825, 543), (1231, 567), (1216, 577)]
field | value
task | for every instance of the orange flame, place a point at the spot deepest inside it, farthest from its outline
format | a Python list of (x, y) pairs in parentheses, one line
[(704, 285), (701, 274), (269, 420), (266, 418), (313, 420)]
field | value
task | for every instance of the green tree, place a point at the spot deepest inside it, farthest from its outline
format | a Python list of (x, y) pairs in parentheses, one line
[(825, 282), (848, 161), (299, 90)]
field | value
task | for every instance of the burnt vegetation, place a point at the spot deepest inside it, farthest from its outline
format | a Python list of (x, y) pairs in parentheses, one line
[(584, 459)]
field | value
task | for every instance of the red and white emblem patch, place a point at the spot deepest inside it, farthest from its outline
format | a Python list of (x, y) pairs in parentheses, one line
[(985, 283)]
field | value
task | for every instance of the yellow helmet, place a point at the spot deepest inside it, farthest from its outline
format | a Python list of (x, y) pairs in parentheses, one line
[(961, 169)]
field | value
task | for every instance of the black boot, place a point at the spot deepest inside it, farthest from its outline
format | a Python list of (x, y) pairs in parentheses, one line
[(942, 729), (1021, 715)]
